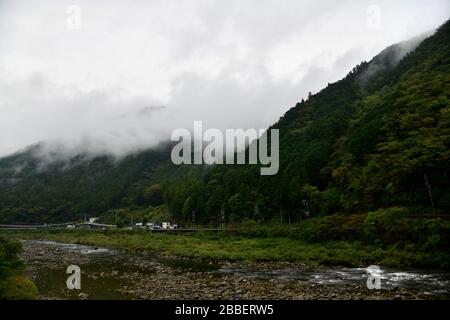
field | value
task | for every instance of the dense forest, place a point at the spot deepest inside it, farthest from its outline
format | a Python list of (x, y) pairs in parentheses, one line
[(378, 138)]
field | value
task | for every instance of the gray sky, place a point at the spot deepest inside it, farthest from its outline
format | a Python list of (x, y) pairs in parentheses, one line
[(233, 63)]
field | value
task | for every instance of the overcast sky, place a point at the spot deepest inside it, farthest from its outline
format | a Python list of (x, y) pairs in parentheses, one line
[(99, 85)]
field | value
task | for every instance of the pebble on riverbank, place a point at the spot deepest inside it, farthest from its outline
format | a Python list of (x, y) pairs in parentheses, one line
[(142, 278)]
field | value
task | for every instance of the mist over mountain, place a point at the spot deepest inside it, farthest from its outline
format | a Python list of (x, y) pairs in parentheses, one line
[(88, 89), (355, 145), (390, 57), (141, 128)]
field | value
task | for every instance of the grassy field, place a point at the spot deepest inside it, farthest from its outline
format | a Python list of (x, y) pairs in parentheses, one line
[(244, 248)]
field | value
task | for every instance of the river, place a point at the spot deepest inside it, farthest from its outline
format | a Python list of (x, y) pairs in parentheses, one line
[(116, 274)]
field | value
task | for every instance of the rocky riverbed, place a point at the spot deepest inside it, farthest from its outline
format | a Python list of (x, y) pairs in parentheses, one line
[(115, 274)]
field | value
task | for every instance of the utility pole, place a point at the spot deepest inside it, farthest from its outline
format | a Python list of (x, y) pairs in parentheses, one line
[(193, 218), (306, 206), (427, 184), (222, 217)]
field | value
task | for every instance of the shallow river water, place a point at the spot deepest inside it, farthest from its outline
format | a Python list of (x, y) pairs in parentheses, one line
[(114, 274)]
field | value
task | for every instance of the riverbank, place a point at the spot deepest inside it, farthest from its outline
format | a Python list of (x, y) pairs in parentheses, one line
[(219, 247), (120, 274)]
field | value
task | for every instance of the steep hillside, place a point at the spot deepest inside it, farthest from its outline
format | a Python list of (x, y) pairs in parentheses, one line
[(380, 137), (375, 139)]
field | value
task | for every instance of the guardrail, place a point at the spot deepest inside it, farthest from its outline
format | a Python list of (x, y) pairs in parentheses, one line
[(35, 226)]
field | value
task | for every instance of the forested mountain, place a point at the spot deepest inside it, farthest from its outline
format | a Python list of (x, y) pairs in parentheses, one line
[(378, 138), (34, 189), (374, 139)]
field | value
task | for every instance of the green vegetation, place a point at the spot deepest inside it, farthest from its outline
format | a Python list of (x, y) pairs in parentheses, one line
[(386, 237), (13, 283), (33, 190), (369, 141), (125, 216), (378, 138), (377, 141)]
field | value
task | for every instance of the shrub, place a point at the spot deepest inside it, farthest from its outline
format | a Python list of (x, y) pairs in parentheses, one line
[(388, 225), (251, 228), (13, 284), (18, 287)]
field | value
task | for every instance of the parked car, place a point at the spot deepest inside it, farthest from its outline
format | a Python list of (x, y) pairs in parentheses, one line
[(139, 225)]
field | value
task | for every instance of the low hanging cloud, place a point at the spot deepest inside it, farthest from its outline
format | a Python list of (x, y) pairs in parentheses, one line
[(391, 56), (134, 71)]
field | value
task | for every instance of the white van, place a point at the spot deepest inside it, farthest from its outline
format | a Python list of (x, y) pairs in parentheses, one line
[(166, 225)]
